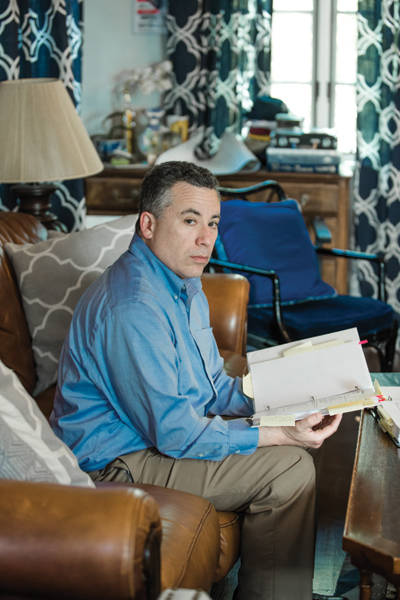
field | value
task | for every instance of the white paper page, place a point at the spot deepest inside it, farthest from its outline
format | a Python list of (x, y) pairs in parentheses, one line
[(393, 410), (392, 392), (232, 156), (347, 335), (295, 379)]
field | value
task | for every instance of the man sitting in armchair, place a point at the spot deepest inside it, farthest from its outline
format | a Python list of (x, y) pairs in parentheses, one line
[(141, 391)]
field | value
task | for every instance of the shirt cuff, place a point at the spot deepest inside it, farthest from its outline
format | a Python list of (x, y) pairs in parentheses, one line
[(243, 439)]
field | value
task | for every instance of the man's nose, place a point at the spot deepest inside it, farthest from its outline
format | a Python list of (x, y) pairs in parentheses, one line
[(205, 237)]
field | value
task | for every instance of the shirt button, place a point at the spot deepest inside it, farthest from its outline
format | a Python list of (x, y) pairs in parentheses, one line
[(184, 287), (175, 297), (201, 455), (237, 452)]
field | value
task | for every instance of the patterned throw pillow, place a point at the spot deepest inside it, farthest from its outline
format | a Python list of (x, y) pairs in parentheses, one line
[(52, 275), (29, 450)]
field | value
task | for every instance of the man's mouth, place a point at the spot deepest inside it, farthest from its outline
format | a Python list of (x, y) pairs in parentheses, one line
[(200, 259)]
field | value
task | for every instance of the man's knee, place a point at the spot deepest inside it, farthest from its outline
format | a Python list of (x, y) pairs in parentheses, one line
[(294, 474)]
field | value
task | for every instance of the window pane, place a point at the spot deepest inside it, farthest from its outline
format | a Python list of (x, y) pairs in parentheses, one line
[(345, 5), (345, 117), (297, 98), (346, 48), (291, 31), (293, 5)]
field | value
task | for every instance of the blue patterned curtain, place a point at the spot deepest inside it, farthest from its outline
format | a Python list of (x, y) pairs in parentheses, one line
[(377, 181), (43, 38), (220, 50)]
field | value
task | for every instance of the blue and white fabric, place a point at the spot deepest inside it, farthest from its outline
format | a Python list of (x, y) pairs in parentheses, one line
[(377, 180), (43, 38), (220, 51)]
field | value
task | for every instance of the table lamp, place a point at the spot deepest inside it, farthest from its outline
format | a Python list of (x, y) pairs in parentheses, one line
[(42, 140)]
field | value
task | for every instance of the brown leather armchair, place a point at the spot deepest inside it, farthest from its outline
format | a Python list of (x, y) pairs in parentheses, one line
[(71, 542)]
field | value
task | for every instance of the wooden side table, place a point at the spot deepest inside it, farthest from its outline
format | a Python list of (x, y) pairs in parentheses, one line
[(372, 527), (115, 191)]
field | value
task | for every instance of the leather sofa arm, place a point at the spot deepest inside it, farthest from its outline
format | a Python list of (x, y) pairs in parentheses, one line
[(72, 542)]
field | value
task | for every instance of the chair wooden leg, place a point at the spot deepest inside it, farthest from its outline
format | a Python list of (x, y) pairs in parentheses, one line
[(365, 584)]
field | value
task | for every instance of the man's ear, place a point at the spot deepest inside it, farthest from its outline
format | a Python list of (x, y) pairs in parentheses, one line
[(147, 225)]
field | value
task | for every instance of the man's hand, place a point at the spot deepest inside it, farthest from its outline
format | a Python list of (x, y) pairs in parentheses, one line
[(307, 433)]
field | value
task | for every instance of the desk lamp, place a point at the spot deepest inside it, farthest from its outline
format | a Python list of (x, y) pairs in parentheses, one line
[(42, 140)]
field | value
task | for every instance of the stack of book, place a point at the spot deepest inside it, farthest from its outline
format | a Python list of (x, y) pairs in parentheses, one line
[(388, 413), (303, 152)]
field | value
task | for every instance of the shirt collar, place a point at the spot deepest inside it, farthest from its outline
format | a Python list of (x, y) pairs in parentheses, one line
[(173, 282)]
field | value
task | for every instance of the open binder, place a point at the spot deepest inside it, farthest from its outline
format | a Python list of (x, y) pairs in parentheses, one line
[(326, 374)]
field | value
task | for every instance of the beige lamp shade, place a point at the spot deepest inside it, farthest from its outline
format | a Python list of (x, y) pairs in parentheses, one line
[(42, 136)]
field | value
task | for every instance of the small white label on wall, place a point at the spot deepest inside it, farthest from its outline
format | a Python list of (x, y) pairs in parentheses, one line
[(149, 16)]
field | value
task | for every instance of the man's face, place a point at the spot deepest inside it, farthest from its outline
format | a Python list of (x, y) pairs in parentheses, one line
[(183, 238)]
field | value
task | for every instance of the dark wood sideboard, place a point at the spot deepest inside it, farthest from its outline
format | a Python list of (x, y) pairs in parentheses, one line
[(115, 191)]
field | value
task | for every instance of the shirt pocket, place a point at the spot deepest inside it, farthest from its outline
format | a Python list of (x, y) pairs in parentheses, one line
[(204, 340)]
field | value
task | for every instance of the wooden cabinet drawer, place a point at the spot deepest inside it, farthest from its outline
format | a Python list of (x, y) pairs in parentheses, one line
[(320, 200), (112, 195)]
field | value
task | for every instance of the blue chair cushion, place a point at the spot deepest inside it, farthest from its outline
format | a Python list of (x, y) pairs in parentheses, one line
[(317, 318), (271, 236)]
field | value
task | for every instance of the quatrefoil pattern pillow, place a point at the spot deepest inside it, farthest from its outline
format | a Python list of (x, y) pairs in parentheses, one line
[(29, 450), (53, 274)]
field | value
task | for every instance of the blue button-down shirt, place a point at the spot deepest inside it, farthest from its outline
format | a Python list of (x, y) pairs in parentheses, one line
[(140, 368)]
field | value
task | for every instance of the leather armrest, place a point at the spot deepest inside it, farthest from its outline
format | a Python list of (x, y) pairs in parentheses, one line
[(235, 365), (228, 296), (72, 542), (190, 545)]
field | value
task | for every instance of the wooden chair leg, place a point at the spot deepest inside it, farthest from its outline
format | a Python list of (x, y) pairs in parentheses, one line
[(365, 584)]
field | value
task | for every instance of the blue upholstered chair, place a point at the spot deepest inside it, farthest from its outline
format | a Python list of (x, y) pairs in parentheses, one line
[(268, 242)]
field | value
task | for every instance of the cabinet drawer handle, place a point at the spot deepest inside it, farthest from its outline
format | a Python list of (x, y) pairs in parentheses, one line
[(304, 199)]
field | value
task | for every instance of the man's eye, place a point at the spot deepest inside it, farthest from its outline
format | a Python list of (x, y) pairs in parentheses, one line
[(190, 221), (214, 224)]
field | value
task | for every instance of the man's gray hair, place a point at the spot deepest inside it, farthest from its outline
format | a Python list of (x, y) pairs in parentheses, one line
[(155, 194)]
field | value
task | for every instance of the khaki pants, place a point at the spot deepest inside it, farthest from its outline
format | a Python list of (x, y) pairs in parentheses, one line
[(274, 487)]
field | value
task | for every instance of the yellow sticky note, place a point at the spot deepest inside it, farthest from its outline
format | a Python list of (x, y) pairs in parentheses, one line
[(247, 385), (343, 408), (349, 406), (300, 349), (308, 347), (277, 421)]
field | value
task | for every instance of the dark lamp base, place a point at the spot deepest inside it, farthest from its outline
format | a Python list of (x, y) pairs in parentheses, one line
[(34, 199)]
